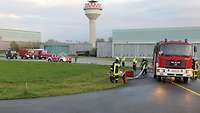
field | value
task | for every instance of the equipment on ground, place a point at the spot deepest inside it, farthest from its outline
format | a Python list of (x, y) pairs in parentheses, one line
[(127, 75)]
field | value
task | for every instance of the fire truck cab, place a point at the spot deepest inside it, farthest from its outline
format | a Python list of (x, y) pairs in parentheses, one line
[(173, 59)]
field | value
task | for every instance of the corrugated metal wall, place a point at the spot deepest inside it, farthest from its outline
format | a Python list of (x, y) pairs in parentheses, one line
[(134, 49), (156, 34), (104, 49), (198, 50)]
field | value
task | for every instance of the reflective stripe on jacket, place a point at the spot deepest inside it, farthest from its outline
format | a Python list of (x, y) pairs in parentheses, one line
[(116, 71)]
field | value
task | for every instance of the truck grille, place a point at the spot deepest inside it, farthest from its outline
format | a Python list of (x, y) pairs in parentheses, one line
[(178, 63)]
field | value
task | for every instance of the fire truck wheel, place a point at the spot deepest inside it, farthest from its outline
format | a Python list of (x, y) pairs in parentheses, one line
[(159, 78), (185, 79), (154, 76), (177, 79)]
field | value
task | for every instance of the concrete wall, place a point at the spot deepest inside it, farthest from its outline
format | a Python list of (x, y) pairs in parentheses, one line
[(4, 45), (74, 47), (104, 49), (70, 48)]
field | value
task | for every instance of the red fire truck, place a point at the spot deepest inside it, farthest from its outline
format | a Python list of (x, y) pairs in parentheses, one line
[(173, 59), (25, 53)]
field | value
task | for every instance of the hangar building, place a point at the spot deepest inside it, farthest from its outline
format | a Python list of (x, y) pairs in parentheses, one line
[(20, 36), (140, 42)]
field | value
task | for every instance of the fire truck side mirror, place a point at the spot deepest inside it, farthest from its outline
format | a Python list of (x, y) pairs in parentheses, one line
[(195, 49), (160, 52)]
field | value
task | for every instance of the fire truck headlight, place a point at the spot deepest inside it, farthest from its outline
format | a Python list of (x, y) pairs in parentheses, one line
[(161, 70), (189, 72)]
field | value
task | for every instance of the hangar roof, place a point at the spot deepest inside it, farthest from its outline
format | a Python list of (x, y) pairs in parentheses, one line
[(152, 35)]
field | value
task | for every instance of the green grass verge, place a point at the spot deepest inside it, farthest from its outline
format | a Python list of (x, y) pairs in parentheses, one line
[(41, 79)]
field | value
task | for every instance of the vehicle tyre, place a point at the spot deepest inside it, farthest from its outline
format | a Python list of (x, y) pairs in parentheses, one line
[(61, 60), (185, 79), (155, 76), (177, 79), (49, 60), (70, 61)]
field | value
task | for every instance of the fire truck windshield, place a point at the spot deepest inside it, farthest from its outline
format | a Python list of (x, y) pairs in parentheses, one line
[(176, 49)]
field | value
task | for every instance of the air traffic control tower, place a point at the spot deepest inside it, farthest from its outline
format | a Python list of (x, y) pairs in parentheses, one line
[(93, 10)]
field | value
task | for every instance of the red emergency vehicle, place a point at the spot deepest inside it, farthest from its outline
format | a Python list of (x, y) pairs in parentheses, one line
[(173, 59), (41, 54), (55, 58), (25, 53)]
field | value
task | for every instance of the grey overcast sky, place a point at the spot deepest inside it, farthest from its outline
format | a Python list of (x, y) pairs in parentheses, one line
[(65, 20)]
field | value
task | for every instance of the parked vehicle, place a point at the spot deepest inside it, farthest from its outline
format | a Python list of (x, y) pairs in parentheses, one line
[(11, 54), (173, 59), (25, 53), (41, 54), (66, 59), (55, 58)]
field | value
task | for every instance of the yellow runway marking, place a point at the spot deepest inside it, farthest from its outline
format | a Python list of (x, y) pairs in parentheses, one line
[(187, 89)]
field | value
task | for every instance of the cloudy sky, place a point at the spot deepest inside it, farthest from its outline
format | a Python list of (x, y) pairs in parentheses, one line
[(65, 20)]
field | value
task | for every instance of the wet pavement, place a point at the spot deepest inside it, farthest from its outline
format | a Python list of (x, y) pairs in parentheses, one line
[(139, 96)]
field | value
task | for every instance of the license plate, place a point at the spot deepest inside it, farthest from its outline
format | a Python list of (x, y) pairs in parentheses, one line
[(175, 71)]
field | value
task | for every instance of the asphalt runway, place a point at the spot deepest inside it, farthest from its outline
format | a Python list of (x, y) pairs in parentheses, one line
[(139, 96)]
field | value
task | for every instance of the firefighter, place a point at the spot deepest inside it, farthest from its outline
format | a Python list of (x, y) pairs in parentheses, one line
[(76, 58), (123, 61), (134, 64), (116, 69), (143, 66), (195, 67)]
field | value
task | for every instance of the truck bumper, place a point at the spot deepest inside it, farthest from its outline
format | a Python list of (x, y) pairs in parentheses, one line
[(174, 72)]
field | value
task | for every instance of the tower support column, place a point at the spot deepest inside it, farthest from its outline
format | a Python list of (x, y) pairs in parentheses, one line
[(93, 32)]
